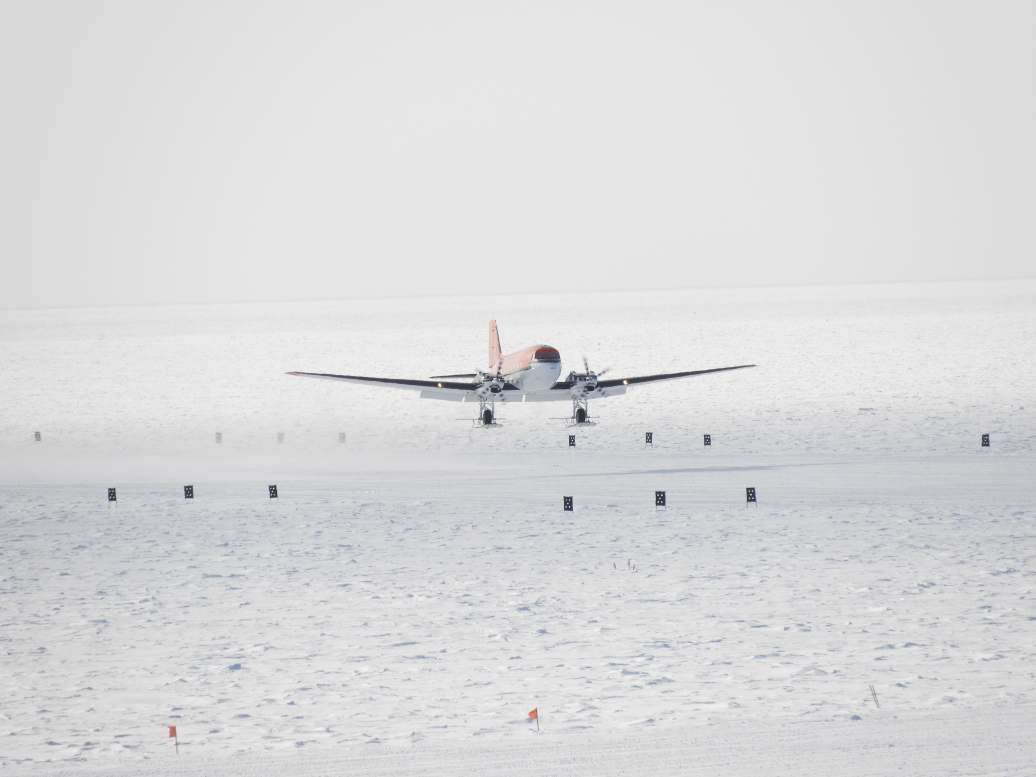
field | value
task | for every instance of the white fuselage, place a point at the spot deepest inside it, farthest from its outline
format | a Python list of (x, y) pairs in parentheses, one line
[(531, 369), (538, 376)]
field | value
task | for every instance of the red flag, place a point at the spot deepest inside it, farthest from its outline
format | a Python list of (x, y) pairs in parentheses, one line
[(534, 713), (172, 732)]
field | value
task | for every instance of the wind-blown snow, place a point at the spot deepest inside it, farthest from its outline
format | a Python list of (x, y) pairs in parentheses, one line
[(417, 590)]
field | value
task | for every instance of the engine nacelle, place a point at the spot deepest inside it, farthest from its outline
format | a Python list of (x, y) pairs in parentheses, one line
[(583, 382), (490, 386)]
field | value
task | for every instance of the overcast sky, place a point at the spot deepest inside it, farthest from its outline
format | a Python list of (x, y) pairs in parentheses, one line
[(186, 151)]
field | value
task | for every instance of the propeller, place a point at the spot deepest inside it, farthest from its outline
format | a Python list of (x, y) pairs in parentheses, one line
[(494, 379), (588, 373)]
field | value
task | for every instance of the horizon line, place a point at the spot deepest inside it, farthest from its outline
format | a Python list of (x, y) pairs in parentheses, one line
[(464, 295)]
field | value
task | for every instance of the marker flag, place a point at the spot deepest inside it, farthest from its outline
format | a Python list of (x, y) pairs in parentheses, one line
[(172, 732), (534, 713)]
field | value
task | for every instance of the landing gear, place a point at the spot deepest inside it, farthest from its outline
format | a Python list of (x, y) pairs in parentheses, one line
[(486, 413), (581, 411)]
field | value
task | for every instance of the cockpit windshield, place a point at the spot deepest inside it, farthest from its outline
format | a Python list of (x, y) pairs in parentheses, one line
[(547, 354)]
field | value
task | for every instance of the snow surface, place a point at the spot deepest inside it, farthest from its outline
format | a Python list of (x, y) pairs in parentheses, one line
[(415, 591)]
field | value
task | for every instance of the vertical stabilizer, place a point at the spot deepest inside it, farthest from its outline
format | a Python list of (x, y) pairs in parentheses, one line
[(494, 346)]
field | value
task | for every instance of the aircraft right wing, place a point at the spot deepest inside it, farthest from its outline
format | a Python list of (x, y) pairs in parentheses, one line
[(402, 383), (456, 391)]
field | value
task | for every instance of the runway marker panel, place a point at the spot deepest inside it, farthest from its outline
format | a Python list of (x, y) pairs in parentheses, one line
[(660, 499), (273, 491), (985, 441), (571, 441), (188, 492), (750, 498), (111, 495), (37, 436), (219, 438), (649, 438), (566, 503), (708, 440)]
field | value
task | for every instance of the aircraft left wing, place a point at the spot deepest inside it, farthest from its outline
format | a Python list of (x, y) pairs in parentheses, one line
[(569, 389), (666, 376)]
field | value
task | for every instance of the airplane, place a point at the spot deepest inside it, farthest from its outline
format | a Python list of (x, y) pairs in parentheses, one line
[(529, 375)]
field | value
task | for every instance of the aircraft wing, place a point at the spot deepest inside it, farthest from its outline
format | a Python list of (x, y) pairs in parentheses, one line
[(463, 391), (457, 391), (562, 391), (617, 386), (665, 376)]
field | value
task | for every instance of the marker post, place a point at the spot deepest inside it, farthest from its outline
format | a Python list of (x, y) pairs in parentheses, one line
[(534, 714)]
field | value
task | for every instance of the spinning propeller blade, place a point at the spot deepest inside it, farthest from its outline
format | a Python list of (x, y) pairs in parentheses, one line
[(589, 374)]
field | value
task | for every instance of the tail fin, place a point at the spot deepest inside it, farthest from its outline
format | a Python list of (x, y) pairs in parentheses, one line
[(494, 346)]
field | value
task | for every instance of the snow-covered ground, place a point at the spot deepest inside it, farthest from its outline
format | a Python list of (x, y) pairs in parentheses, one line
[(415, 591)]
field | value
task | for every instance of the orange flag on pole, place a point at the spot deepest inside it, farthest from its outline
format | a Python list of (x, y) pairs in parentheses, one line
[(534, 713), (172, 732)]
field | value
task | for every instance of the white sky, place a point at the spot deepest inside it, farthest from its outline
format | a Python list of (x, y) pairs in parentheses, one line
[(186, 151)]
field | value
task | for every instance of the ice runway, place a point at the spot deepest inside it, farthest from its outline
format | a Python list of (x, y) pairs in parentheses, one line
[(950, 743), (368, 610), (414, 592)]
